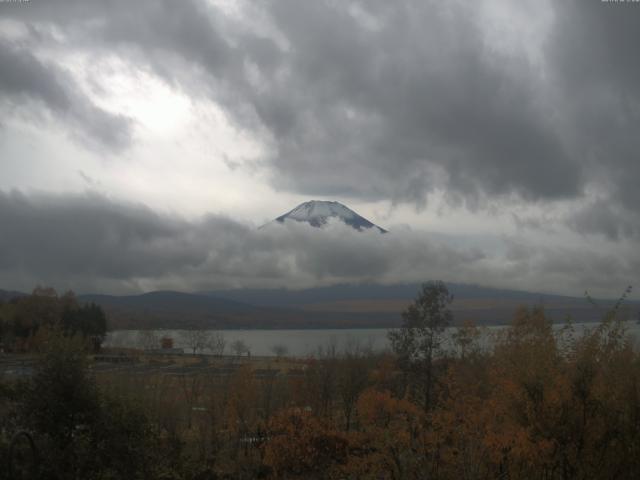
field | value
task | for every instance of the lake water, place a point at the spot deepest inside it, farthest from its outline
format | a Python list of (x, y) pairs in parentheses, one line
[(302, 343)]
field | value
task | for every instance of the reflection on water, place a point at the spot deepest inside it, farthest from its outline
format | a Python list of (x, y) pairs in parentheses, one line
[(303, 343)]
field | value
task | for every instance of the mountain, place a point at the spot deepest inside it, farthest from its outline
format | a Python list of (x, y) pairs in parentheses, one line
[(170, 302), (338, 306), (7, 295), (283, 297), (170, 309), (483, 305), (174, 310), (318, 212)]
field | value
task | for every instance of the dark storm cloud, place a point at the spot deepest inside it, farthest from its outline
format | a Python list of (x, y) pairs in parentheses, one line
[(389, 110), (594, 59), (26, 79), (175, 40), (87, 234), (90, 241), (416, 102), (569, 268), (381, 101), (607, 218)]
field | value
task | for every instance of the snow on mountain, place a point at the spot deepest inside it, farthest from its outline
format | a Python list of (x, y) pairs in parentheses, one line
[(318, 212)]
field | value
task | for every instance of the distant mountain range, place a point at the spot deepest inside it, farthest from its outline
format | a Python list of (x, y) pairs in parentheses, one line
[(483, 305), (340, 306), (6, 295), (318, 213)]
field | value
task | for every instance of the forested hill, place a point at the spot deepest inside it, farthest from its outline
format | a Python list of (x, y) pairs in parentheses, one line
[(406, 291), (342, 306)]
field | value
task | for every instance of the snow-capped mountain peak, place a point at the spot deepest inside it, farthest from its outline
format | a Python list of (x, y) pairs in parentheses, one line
[(318, 212)]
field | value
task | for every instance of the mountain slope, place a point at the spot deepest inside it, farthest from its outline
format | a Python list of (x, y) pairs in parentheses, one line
[(6, 295), (170, 309), (339, 306), (483, 305), (318, 212), (174, 310)]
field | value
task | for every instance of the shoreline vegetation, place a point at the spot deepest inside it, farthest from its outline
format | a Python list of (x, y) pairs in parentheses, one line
[(539, 402)]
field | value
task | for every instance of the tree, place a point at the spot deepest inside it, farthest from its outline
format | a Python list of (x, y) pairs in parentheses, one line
[(466, 339), (388, 443), (44, 308), (40, 308), (89, 320), (279, 350), (352, 380), (217, 343), (419, 339), (239, 347), (192, 388), (196, 340), (82, 433), (241, 413), (319, 386), (61, 397), (148, 339), (7, 314), (301, 446)]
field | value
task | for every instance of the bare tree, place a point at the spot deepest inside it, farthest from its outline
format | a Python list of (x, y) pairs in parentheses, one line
[(217, 343), (196, 340), (418, 341), (352, 379), (192, 388), (321, 379), (239, 347), (148, 339), (279, 350)]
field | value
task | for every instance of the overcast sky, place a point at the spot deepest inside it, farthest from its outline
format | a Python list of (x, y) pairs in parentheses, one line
[(142, 142)]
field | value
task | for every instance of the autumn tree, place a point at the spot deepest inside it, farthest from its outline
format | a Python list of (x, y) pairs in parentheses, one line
[(387, 444), (320, 383), (466, 339), (353, 375), (33, 311), (192, 385), (419, 339), (301, 446), (242, 400), (44, 308)]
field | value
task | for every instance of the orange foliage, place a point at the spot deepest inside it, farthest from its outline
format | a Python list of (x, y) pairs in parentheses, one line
[(300, 446), (243, 397), (388, 440)]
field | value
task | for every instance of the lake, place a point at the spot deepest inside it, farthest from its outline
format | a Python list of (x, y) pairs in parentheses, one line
[(302, 343)]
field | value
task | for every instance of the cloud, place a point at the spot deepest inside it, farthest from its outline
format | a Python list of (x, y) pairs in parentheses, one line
[(570, 269), (596, 73), (610, 219), (378, 102), (359, 99), (88, 235), (89, 242), (27, 81), (416, 105), (89, 239)]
